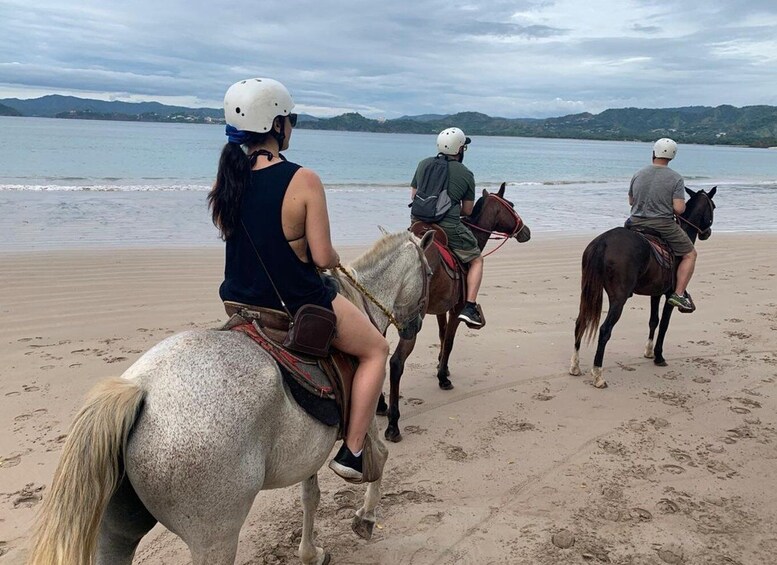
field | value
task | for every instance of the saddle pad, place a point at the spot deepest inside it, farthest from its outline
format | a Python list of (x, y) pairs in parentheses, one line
[(306, 372), (660, 248), (661, 251)]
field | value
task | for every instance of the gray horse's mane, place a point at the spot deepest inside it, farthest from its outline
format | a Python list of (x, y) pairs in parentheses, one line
[(385, 247)]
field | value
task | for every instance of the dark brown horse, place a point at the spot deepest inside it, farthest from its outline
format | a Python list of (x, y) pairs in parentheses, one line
[(621, 263), (492, 214)]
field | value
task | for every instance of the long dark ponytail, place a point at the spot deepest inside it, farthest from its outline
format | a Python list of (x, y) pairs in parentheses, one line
[(232, 180)]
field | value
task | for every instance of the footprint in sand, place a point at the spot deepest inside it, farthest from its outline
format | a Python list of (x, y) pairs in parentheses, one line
[(346, 498), (701, 380), (8, 461), (13, 393), (667, 506), (682, 457), (415, 430), (28, 497), (415, 401), (430, 521), (454, 452), (640, 515), (739, 409), (673, 469)]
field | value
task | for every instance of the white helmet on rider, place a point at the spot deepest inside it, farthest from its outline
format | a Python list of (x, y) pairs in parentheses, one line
[(451, 140), (253, 104), (665, 148)]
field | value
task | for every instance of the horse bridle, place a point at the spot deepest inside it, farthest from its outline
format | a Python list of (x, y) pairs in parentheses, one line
[(367, 295), (504, 236), (700, 232)]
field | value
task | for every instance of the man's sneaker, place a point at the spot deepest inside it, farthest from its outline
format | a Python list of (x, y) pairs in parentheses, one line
[(471, 316), (682, 302), (347, 465)]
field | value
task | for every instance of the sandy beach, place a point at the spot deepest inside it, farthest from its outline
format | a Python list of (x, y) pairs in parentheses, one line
[(672, 464)]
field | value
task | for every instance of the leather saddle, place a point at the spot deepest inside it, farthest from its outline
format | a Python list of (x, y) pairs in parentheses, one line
[(662, 253), (454, 268), (321, 386)]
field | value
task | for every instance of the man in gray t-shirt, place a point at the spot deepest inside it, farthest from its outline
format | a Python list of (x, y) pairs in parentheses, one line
[(656, 195)]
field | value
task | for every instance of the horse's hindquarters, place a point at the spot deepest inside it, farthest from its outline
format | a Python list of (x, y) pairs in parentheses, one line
[(217, 427)]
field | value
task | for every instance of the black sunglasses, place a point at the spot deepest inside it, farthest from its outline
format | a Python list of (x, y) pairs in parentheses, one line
[(293, 120)]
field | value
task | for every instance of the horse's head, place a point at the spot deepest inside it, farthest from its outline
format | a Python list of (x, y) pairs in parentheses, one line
[(494, 213), (699, 212), (411, 302)]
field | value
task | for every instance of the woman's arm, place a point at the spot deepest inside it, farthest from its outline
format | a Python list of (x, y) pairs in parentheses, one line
[(317, 220)]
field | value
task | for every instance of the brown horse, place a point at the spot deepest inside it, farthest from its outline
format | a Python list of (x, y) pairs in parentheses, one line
[(491, 215), (621, 263)]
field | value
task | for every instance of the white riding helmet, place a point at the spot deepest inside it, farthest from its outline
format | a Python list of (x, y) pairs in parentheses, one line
[(451, 140), (665, 148), (253, 104)]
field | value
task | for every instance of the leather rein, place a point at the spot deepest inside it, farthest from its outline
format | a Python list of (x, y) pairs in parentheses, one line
[(496, 235), (700, 231)]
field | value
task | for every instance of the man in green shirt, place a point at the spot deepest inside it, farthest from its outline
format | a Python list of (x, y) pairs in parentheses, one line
[(452, 143)]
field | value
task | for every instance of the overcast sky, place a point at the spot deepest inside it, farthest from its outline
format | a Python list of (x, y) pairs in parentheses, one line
[(519, 58)]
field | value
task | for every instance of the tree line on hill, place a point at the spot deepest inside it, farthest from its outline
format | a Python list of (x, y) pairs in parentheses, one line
[(754, 126)]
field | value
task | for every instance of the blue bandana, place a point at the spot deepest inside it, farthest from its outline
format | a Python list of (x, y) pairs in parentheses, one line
[(235, 135)]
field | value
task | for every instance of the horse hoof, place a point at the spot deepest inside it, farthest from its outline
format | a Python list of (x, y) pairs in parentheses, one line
[(600, 384), (660, 362), (446, 384), (649, 355), (392, 435), (575, 371), (362, 528)]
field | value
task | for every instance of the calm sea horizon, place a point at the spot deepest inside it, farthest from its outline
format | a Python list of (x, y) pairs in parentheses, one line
[(85, 184)]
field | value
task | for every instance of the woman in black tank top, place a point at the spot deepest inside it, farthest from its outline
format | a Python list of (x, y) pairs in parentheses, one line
[(261, 200)]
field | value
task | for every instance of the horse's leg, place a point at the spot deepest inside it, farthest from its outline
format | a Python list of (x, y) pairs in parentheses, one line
[(613, 315), (574, 364), (309, 553), (442, 324), (125, 521), (396, 368), (445, 351), (382, 409), (653, 324), (214, 540), (666, 314), (364, 521)]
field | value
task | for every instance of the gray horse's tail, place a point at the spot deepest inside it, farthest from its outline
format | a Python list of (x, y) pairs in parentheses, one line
[(87, 475)]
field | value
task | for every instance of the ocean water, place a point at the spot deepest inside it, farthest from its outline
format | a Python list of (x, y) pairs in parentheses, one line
[(74, 183)]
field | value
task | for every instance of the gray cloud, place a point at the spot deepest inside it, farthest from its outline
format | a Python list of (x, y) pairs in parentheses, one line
[(510, 58)]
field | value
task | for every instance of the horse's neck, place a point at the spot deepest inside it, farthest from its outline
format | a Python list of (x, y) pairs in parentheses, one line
[(376, 278), (482, 236)]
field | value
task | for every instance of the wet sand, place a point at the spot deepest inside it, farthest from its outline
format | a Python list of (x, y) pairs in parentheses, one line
[(669, 464)]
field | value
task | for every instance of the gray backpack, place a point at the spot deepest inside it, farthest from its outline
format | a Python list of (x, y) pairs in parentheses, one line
[(432, 202)]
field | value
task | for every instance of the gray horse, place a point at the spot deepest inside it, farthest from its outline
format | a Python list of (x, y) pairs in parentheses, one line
[(196, 427)]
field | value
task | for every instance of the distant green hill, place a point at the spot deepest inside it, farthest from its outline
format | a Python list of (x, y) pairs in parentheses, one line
[(754, 126), (56, 106), (8, 111)]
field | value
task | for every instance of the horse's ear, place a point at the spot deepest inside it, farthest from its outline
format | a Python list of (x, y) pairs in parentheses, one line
[(383, 230), (427, 239), (689, 191), (501, 193), (712, 192), (485, 193)]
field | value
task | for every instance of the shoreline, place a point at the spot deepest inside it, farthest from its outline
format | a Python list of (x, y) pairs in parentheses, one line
[(665, 458)]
